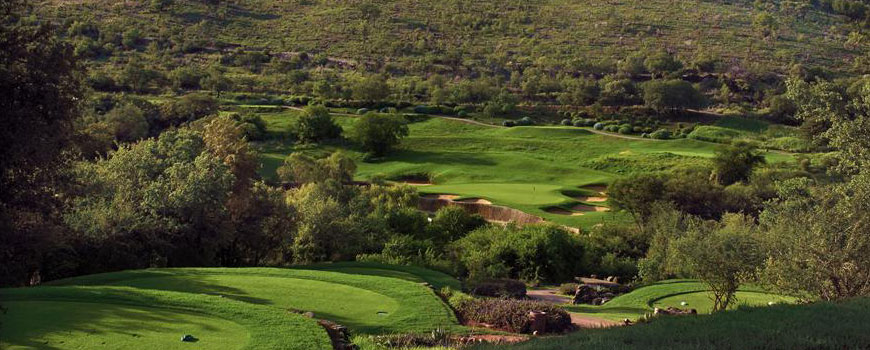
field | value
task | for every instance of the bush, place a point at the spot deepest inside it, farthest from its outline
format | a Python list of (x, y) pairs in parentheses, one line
[(598, 126), (315, 124), (525, 121), (462, 114), (566, 122), (612, 128), (513, 315), (532, 253), (508, 123), (661, 134), (377, 134), (499, 288), (625, 130), (362, 111)]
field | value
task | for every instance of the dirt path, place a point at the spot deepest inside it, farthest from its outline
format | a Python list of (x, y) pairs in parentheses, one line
[(582, 321)]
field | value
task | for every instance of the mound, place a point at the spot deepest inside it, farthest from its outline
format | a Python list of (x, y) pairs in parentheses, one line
[(126, 318)]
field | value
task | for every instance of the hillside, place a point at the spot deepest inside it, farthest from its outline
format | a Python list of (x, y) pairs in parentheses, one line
[(473, 37)]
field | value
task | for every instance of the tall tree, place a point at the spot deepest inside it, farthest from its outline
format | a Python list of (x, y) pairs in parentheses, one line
[(39, 77)]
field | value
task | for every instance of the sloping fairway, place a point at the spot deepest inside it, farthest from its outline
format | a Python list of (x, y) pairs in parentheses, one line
[(672, 293), (815, 326), (125, 318), (527, 168), (367, 304)]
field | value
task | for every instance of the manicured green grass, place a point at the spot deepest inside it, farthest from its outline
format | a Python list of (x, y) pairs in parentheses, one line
[(367, 304), (701, 300), (793, 327), (408, 273), (84, 325), (527, 168), (671, 293), (102, 317)]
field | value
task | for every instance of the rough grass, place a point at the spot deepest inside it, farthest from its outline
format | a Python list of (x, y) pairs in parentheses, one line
[(125, 318), (527, 168), (367, 304), (671, 293), (793, 327)]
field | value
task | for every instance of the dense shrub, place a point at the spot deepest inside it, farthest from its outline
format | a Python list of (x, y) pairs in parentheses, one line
[(598, 126), (513, 315), (533, 253), (362, 111), (315, 124), (625, 130), (566, 122), (377, 134), (660, 134), (498, 288)]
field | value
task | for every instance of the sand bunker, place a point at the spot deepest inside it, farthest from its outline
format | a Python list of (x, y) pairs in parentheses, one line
[(562, 211), (591, 199), (482, 207), (600, 189), (589, 208), (417, 183), (475, 201), (448, 197)]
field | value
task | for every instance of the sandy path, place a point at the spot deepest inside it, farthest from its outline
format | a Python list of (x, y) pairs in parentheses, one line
[(579, 320)]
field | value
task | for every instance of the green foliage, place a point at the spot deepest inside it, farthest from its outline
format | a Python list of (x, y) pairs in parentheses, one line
[(664, 95), (315, 124), (533, 253), (188, 108), (817, 240), (378, 134), (40, 76), (452, 223), (735, 163), (722, 256), (513, 315)]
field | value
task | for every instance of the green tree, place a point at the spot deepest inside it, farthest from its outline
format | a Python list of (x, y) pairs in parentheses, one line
[(722, 255), (315, 124), (451, 223), (216, 81), (186, 109), (39, 76), (128, 122), (665, 95), (378, 134), (371, 88), (734, 163), (543, 253), (818, 239), (662, 63), (302, 169)]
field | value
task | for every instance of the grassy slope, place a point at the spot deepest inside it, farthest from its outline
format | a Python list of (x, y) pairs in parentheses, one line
[(528, 168), (670, 293), (119, 317), (815, 326), (408, 273), (417, 34), (365, 303)]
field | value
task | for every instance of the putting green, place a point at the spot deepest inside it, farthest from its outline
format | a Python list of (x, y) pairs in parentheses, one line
[(641, 301), (702, 301), (81, 325), (367, 304), (351, 306)]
